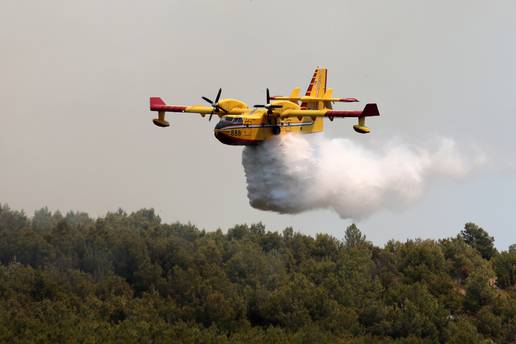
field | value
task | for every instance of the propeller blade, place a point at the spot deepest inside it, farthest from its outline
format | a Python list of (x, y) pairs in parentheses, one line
[(218, 95), (260, 106), (221, 108), (268, 97), (211, 115), (207, 99), (215, 104)]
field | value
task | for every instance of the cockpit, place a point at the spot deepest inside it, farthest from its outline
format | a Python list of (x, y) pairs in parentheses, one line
[(232, 120), (229, 121)]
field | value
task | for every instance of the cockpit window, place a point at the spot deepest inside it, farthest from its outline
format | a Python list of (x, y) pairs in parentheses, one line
[(237, 120)]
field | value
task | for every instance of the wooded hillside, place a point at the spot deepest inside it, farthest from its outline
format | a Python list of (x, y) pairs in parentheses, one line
[(128, 278)]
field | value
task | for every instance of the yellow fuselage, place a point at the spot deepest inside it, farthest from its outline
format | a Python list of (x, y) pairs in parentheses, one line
[(255, 125)]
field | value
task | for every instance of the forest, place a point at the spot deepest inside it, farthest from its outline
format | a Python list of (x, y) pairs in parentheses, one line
[(129, 278)]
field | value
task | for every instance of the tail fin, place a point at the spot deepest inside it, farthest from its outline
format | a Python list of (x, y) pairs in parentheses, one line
[(156, 102), (371, 110), (317, 88)]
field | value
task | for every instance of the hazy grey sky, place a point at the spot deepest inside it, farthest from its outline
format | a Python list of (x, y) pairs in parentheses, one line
[(75, 77)]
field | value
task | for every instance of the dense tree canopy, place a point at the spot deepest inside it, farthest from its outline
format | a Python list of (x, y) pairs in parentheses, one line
[(130, 278), (479, 239)]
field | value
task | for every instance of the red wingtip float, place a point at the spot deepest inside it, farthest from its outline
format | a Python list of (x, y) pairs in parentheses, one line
[(242, 125)]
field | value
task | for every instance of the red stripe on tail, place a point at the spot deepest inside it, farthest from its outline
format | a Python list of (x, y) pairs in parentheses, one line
[(157, 104)]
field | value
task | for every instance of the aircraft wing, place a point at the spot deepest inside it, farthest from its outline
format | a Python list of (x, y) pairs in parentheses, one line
[(360, 127), (369, 110), (157, 104)]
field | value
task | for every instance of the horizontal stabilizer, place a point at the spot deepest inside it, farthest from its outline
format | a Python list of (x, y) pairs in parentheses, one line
[(295, 93), (307, 99)]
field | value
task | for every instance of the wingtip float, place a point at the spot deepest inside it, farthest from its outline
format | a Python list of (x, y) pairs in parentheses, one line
[(242, 125)]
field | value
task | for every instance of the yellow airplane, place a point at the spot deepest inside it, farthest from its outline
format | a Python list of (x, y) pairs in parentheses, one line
[(241, 125)]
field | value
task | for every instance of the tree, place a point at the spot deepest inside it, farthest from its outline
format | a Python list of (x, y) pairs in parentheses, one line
[(353, 237), (11, 220), (462, 331), (461, 259), (131, 278), (479, 239), (504, 265), (479, 292), (42, 220), (421, 260)]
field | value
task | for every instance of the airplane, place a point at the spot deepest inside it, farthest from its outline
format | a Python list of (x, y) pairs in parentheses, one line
[(242, 125)]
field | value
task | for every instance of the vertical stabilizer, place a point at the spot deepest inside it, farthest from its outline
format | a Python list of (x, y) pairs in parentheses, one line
[(317, 88)]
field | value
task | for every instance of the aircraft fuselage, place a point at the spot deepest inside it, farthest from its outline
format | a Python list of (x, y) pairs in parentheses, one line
[(256, 127)]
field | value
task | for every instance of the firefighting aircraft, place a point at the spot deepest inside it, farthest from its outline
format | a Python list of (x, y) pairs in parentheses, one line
[(242, 125)]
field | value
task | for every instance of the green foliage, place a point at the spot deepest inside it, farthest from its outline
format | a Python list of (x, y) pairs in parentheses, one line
[(504, 266), (479, 292), (131, 278), (353, 237), (462, 330), (461, 258), (479, 239)]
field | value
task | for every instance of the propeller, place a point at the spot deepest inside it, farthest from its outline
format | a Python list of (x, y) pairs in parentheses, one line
[(270, 107), (215, 104)]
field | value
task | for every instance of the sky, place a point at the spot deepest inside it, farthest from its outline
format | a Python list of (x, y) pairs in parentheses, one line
[(76, 131)]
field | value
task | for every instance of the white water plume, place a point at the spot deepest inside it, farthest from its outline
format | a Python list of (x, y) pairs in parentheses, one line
[(295, 173)]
